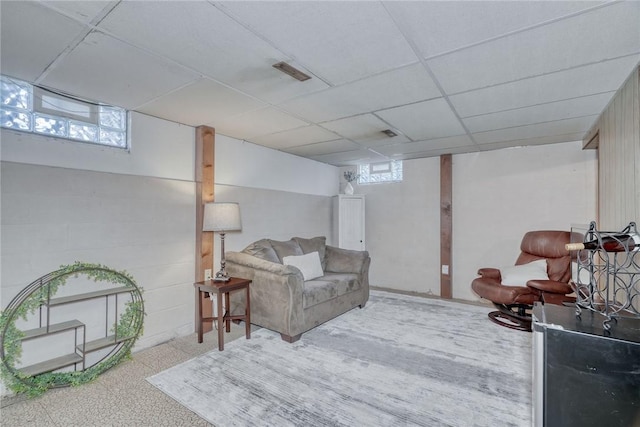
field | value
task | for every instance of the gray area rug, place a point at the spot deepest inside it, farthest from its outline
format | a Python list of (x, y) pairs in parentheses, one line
[(400, 361)]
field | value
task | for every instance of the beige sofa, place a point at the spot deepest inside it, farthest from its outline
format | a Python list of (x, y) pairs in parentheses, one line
[(281, 300)]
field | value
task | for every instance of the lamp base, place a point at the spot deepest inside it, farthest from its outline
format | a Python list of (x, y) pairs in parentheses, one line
[(221, 276)]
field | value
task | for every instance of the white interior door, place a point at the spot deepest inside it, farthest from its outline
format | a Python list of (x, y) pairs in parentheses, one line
[(352, 223)]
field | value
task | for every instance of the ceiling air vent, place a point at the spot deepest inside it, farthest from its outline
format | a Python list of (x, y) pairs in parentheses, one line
[(292, 71), (389, 133)]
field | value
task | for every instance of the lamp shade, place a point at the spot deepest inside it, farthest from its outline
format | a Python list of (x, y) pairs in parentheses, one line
[(221, 217)]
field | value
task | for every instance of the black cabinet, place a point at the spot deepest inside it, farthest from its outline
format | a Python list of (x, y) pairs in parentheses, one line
[(584, 376)]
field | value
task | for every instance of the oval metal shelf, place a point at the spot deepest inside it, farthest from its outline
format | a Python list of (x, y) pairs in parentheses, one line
[(40, 294)]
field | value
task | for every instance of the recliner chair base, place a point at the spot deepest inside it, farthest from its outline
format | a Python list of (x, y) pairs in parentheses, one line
[(506, 316)]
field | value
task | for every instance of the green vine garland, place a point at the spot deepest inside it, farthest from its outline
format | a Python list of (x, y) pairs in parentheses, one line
[(129, 325)]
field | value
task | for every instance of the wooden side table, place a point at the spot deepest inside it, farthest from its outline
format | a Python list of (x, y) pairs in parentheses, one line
[(223, 317)]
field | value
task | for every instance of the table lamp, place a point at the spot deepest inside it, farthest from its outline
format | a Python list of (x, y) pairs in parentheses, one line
[(221, 217)]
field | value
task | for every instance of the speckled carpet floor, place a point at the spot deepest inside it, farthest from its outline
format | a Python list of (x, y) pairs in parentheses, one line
[(401, 360)]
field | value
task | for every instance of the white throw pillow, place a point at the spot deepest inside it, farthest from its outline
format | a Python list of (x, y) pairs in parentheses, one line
[(519, 275), (308, 264)]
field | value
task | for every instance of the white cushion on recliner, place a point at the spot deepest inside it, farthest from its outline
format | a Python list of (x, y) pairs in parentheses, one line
[(519, 275), (308, 264)]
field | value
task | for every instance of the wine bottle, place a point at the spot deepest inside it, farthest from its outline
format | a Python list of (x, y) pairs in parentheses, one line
[(614, 243)]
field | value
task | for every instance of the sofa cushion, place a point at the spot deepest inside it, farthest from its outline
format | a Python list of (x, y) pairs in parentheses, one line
[(329, 286), (288, 248), (344, 260), (308, 264), (262, 249), (316, 244)]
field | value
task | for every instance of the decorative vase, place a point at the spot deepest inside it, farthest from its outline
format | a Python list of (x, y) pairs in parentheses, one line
[(348, 189)]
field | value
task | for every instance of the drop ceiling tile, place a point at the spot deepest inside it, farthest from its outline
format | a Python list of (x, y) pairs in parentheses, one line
[(257, 123), (435, 153), (588, 80), (560, 127), (83, 11), (382, 141), (605, 33), (200, 102), (554, 139), (267, 83), (321, 148), (339, 41), (424, 120), (31, 37), (366, 130), (290, 138), (349, 158), (438, 27), (366, 127), (576, 107), (108, 70), (423, 146), (402, 86), (357, 127), (228, 82), (218, 46)]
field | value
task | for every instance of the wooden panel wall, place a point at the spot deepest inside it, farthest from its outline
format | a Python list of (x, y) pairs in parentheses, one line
[(618, 130), (618, 144)]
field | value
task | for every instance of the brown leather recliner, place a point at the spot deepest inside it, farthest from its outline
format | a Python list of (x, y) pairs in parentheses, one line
[(514, 302)]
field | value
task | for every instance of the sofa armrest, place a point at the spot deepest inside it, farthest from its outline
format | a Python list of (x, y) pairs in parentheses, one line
[(253, 262), (276, 292), (550, 286), (345, 260)]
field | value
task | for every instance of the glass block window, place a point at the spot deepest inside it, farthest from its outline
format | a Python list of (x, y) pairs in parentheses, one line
[(34, 109), (373, 173), (50, 125)]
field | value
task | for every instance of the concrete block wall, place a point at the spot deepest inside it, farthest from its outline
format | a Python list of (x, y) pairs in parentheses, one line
[(55, 216), (272, 214)]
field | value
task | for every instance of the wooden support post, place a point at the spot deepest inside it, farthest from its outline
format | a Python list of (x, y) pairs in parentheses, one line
[(446, 225), (205, 155)]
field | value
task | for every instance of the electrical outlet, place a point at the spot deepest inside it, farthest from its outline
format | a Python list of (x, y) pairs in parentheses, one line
[(207, 274)]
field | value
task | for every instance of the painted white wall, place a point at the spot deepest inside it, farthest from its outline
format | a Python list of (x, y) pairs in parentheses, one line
[(280, 195), (497, 197), (55, 216), (243, 164), (159, 148), (273, 214), (500, 195), (65, 201), (402, 228)]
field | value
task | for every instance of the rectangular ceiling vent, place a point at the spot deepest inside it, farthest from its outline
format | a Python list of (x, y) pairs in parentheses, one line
[(292, 71)]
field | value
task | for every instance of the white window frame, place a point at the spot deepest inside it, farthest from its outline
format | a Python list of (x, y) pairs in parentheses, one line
[(54, 104)]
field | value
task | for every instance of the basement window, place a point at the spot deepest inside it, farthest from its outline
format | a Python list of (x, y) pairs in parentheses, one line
[(33, 109), (374, 173)]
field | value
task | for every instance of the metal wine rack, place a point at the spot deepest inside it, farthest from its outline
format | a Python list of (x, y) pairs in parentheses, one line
[(608, 282)]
